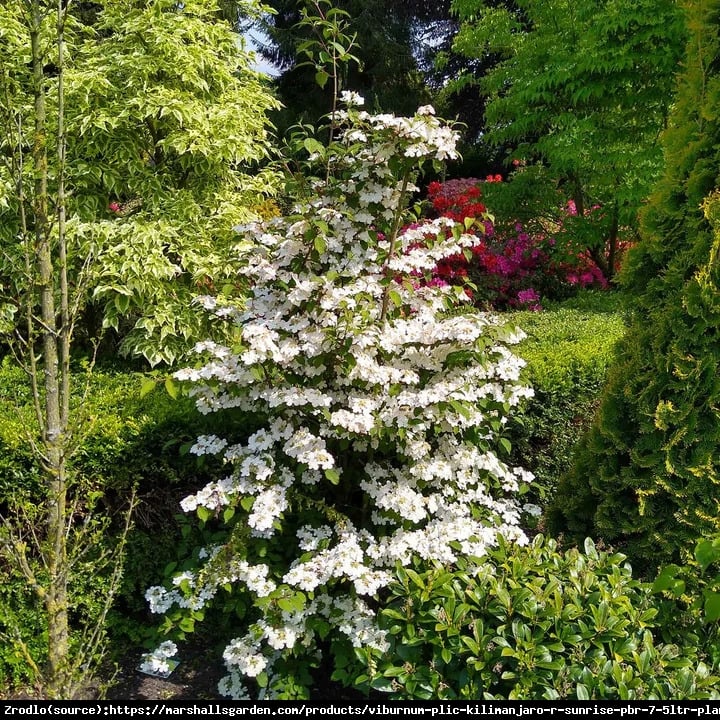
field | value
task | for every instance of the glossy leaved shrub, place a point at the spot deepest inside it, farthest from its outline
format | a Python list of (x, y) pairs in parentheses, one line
[(529, 623)]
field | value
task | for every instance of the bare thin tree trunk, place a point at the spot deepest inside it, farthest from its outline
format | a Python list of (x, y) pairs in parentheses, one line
[(54, 429), (613, 241), (50, 304)]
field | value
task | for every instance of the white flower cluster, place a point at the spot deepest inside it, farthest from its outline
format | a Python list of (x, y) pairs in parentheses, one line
[(422, 136), (384, 400), (189, 593), (352, 98), (157, 662), (244, 657)]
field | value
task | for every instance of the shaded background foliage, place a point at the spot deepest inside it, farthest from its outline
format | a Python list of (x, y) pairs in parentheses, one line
[(646, 475), (388, 76)]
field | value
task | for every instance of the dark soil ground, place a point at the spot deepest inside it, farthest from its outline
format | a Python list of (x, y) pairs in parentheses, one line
[(196, 678)]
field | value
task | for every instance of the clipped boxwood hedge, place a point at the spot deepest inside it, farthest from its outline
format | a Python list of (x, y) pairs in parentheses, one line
[(568, 349), (130, 438)]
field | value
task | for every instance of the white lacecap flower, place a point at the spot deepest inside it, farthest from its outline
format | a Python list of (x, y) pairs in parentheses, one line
[(166, 649), (352, 98), (160, 600), (231, 686)]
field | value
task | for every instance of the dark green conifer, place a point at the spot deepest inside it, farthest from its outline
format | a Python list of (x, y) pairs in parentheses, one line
[(647, 475)]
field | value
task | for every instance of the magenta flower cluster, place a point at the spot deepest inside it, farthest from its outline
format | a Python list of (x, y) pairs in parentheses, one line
[(509, 268)]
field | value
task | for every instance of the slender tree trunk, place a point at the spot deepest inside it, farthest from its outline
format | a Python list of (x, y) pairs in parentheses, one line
[(603, 257), (578, 195), (612, 243), (54, 424)]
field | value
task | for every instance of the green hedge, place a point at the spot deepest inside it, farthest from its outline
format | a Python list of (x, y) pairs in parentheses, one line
[(129, 440), (568, 349)]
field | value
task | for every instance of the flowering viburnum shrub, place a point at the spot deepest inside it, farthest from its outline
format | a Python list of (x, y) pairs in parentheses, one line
[(380, 404)]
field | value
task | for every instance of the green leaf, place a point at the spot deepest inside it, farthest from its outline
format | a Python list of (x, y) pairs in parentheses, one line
[(319, 243), (460, 408), (590, 549), (321, 78), (707, 552), (712, 605), (286, 604), (666, 579), (415, 578), (147, 387), (122, 303), (204, 513), (332, 475), (173, 389), (313, 146), (554, 665), (187, 624)]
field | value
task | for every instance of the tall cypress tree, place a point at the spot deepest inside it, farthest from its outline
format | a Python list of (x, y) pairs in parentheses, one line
[(646, 476)]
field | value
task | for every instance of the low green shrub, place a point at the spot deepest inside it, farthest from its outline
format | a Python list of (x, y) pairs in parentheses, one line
[(693, 594), (133, 443), (23, 633), (130, 439), (23, 619), (528, 623), (570, 344), (568, 349)]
